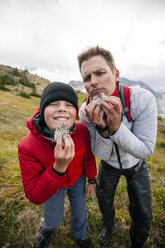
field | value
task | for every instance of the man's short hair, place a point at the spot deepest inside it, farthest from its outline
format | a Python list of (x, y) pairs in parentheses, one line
[(94, 51)]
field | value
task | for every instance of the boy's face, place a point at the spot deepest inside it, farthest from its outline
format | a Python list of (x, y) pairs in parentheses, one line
[(58, 113)]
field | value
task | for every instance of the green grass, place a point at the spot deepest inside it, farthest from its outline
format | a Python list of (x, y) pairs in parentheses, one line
[(21, 221)]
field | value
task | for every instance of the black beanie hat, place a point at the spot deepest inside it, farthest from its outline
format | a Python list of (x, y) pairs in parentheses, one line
[(57, 91)]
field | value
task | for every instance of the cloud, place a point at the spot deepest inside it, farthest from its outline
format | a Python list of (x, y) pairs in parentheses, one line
[(48, 35)]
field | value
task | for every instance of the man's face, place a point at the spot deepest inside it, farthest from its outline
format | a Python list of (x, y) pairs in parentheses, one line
[(98, 76), (58, 113)]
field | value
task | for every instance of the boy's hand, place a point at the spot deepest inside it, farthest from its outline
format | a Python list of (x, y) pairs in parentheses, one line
[(63, 155), (90, 189)]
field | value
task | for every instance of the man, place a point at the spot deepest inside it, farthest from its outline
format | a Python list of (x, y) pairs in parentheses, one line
[(123, 146)]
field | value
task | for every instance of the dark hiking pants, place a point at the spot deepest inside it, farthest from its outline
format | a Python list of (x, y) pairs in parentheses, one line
[(139, 192)]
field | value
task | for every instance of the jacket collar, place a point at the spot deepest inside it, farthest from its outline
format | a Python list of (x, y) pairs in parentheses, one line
[(37, 127)]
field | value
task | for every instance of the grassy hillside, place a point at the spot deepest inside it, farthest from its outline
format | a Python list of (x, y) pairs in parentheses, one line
[(22, 220), (21, 81)]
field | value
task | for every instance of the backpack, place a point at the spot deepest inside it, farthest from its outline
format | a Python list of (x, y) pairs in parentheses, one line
[(124, 95)]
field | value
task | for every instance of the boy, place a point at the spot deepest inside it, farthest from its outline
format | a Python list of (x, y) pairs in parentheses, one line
[(52, 164)]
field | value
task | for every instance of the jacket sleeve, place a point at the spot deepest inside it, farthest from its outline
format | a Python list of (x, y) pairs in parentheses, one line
[(89, 161), (39, 183), (140, 140)]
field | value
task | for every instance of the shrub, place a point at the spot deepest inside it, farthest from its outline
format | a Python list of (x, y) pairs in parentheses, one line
[(4, 88), (6, 79), (161, 144), (24, 94), (15, 72), (24, 81), (35, 94)]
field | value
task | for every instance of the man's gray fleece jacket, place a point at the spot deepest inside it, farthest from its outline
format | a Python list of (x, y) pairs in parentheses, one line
[(135, 139)]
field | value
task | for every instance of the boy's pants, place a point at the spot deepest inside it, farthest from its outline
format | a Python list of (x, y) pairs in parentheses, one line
[(139, 191), (53, 209)]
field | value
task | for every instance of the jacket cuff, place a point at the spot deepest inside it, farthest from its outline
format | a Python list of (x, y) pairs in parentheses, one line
[(92, 181), (58, 173)]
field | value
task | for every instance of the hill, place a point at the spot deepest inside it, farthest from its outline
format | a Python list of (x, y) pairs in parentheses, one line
[(19, 216), (21, 80)]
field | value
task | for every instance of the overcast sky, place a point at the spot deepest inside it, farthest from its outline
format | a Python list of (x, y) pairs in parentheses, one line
[(45, 36)]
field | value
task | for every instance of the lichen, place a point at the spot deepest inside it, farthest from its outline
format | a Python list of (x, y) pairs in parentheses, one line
[(63, 130), (98, 99)]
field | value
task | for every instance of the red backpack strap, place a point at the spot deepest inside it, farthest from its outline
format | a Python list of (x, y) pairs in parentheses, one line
[(87, 101), (124, 95), (127, 99)]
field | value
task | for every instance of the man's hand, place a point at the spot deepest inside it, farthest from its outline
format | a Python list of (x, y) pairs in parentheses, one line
[(96, 114), (90, 189), (113, 109), (63, 155)]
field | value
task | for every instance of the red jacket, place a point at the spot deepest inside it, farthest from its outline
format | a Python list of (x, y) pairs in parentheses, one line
[(36, 156)]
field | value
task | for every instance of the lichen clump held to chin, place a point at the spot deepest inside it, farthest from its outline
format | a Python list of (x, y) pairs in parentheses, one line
[(63, 130), (97, 99)]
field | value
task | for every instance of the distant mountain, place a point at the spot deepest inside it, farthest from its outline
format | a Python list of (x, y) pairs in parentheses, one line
[(160, 97), (77, 85), (141, 84)]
